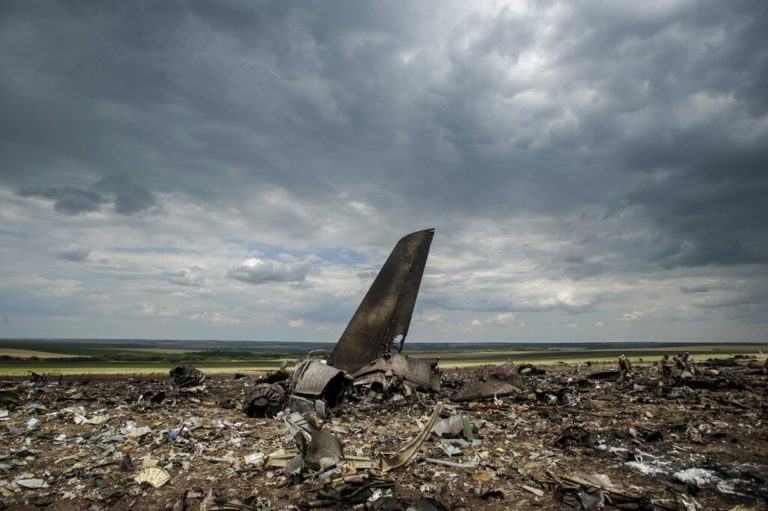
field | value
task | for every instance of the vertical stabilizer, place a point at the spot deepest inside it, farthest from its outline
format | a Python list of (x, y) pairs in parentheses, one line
[(385, 313)]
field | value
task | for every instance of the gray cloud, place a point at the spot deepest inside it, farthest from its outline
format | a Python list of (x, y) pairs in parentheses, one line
[(67, 200), (702, 288), (128, 198), (258, 271), (193, 276), (74, 254), (747, 295)]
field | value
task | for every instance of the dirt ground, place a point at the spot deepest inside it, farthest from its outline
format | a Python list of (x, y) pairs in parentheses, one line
[(576, 437)]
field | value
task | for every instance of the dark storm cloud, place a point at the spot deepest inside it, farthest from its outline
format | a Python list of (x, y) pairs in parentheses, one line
[(701, 152), (454, 128), (709, 208)]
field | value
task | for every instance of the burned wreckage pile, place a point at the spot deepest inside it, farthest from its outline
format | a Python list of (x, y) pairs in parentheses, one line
[(370, 428), (366, 355)]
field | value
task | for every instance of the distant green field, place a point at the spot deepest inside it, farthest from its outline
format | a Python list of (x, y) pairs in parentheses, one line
[(447, 360), (18, 357), (159, 355)]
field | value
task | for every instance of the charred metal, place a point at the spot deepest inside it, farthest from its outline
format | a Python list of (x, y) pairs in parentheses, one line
[(368, 354)]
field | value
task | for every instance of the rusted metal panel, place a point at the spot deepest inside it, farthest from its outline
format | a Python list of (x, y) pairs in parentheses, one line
[(385, 313)]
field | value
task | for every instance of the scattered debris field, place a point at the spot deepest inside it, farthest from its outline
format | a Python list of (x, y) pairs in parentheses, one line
[(556, 437)]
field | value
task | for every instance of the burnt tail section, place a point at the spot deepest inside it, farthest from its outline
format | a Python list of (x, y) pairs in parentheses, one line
[(385, 312)]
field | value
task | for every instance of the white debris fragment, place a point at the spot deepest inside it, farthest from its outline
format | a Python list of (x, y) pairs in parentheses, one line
[(31, 484), (96, 419), (644, 468), (535, 491), (697, 476), (256, 458), (134, 433), (155, 476), (99, 419), (689, 503)]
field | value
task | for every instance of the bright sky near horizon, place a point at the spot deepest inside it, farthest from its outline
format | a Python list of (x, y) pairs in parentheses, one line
[(595, 170)]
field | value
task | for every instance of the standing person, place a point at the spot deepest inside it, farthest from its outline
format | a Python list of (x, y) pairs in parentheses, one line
[(666, 368), (690, 363), (625, 367)]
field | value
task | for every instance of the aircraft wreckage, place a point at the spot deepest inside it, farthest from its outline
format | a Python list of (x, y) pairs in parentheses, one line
[(369, 351)]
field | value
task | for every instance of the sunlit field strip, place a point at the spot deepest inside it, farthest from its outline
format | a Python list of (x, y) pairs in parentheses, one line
[(146, 369), (165, 351), (21, 353)]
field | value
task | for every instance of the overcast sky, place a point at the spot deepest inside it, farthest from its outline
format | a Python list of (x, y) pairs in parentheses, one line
[(594, 170)]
